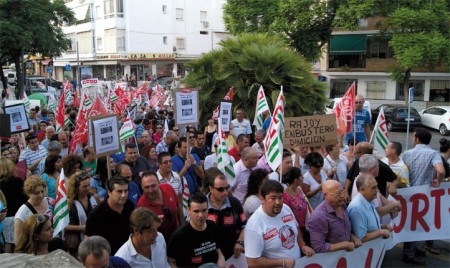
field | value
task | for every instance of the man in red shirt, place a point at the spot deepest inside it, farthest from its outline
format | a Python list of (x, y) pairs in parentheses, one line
[(161, 199), (242, 142)]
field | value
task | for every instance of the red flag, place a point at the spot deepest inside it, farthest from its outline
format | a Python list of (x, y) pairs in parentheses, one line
[(345, 111), (229, 97), (119, 92), (142, 89), (60, 112), (76, 103), (98, 108)]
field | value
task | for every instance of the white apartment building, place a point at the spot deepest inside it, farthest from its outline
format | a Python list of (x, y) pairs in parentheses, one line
[(144, 38)]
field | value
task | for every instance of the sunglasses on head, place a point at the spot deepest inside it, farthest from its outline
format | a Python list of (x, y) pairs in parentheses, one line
[(221, 189), (167, 162), (82, 176)]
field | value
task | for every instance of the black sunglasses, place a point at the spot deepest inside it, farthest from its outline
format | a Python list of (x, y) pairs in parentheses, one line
[(221, 189)]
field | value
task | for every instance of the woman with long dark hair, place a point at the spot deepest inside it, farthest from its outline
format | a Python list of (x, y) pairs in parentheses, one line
[(52, 167), (253, 198), (313, 179), (100, 181)]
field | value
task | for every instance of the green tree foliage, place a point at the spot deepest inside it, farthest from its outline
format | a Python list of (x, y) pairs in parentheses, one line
[(32, 26), (249, 61), (419, 31), (305, 24)]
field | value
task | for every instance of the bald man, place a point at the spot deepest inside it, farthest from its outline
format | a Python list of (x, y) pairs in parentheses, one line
[(329, 224), (361, 122)]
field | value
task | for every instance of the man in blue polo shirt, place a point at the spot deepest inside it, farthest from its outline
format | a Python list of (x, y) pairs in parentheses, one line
[(188, 166)]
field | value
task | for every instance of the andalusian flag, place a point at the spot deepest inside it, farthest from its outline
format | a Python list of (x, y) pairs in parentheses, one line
[(185, 197), (380, 135), (51, 105), (61, 211), (261, 107), (127, 130), (273, 143), (26, 103), (223, 158)]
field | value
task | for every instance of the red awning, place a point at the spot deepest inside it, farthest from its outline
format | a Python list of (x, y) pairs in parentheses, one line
[(46, 61)]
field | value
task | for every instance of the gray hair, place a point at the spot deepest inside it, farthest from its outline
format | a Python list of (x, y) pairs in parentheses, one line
[(261, 131), (50, 128), (361, 181), (94, 245), (53, 146), (366, 162), (246, 152)]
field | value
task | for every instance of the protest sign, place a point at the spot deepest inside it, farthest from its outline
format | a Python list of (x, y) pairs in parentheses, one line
[(186, 102), (225, 114), (309, 131), (105, 130), (19, 120)]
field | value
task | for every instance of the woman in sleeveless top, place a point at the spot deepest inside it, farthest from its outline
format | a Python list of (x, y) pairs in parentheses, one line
[(210, 130), (81, 203)]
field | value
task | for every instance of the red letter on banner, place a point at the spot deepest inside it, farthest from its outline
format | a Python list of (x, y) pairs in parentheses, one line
[(437, 206), (403, 214), (416, 215)]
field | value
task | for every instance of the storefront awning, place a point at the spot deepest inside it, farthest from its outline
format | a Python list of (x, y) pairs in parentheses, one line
[(348, 44)]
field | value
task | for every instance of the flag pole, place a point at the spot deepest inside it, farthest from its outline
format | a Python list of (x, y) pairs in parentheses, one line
[(281, 164), (375, 127), (411, 99)]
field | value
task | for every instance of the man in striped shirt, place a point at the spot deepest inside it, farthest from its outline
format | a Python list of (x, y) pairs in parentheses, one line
[(33, 154)]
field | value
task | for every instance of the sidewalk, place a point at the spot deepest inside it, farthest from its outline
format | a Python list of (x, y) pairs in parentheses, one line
[(393, 257)]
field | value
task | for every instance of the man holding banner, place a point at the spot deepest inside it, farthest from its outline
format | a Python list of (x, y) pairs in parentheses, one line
[(425, 167)]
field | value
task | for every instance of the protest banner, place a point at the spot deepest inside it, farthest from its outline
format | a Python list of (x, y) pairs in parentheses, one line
[(105, 130), (306, 131), (186, 106)]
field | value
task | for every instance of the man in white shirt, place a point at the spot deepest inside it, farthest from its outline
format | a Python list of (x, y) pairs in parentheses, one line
[(146, 246), (241, 125), (271, 236), (393, 151), (33, 154)]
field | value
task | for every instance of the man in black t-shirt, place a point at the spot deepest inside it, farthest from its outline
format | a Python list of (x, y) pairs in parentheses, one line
[(110, 219), (195, 243)]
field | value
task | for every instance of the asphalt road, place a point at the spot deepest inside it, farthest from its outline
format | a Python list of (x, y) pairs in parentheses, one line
[(400, 136)]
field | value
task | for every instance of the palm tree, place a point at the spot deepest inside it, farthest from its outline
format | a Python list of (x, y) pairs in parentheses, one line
[(251, 60)]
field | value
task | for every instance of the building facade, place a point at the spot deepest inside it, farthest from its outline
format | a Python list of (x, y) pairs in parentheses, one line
[(364, 56), (114, 39)]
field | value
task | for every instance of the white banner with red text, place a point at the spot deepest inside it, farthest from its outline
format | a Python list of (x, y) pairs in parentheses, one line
[(425, 215)]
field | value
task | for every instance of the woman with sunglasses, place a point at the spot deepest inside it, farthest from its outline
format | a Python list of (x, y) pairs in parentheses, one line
[(81, 203), (35, 188), (313, 179), (37, 232), (52, 167)]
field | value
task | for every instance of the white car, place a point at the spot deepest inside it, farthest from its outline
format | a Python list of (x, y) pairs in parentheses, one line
[(330, 107), (437, 117)]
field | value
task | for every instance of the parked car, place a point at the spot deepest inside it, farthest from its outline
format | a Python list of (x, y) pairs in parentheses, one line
[(31, 84), (437, 117), (330, 107), (11, 76), (397, 116), (54, 83)]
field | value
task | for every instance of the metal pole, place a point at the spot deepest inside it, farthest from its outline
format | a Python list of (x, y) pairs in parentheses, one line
[(411, 98), (78, 72)]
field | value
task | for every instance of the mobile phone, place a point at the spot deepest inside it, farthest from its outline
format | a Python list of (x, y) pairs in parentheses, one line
[(4, 210)]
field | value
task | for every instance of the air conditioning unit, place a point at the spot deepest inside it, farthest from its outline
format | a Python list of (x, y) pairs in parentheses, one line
[(205, 24)]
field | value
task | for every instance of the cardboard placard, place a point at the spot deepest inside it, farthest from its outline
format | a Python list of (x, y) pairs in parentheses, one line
[(18, 118), (225, 114), (186, 106), (306, 131)]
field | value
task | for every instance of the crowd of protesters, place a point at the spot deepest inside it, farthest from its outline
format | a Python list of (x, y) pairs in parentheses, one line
[(166, 203)]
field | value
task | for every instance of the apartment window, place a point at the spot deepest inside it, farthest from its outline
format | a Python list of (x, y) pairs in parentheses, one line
[(440, 90), (181, 44), (98, 12), (339, 87), (99, 43), (164, 9), (203, 16), (179, 14), (376, 90), (418, 90), (165, 40), (73, 43), (113, 8), (120, 43), (85, 42)]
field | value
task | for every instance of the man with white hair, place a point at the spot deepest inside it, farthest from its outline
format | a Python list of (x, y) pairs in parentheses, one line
[(49, 132)]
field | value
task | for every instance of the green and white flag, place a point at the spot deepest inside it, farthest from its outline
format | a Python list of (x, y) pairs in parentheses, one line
[(261, 106), (61, 211), (26, 103), (223, 158), (51, 105), (273, 143), (380, 135), (127, 130)]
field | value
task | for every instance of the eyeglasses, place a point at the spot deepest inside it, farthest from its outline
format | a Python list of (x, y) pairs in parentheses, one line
[(221, 189), (339, 192), (167, 162), (359, 102), (82, 176)]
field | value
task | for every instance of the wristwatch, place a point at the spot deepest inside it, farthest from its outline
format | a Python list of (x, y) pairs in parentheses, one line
[(240, 242)]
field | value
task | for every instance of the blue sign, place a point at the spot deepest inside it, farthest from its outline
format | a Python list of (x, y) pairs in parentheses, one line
[(49, 70), (411, 94), (67, 67)]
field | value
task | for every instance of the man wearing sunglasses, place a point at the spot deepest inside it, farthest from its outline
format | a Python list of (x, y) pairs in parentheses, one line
[(228, 215), (361, 122)]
